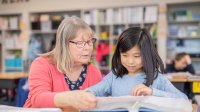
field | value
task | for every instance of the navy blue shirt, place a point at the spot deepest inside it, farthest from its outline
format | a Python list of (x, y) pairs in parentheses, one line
[(75, 85), (171, 69)]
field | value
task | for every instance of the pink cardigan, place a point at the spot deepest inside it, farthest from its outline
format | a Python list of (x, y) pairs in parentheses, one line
[(45, 81)]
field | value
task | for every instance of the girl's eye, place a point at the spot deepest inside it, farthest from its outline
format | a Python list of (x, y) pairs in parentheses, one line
[(137, 56), (124, 55)]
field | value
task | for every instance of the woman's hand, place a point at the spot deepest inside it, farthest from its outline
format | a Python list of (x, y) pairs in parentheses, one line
[(83, 100), (69, 109), (141, 90), (78, 99)]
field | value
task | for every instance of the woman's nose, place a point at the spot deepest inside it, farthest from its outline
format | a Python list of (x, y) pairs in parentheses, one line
[(87, 46)]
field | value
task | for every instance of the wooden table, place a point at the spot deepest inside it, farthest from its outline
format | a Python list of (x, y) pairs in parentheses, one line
[(191, 83), (13, 75), (178, 80), (184, 80), (9, 81)]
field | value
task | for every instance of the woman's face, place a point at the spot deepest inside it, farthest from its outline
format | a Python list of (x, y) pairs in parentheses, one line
[(81, 47), (132, 60)]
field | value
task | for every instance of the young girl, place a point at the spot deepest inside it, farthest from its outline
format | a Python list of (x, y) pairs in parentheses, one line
[(136, 69)]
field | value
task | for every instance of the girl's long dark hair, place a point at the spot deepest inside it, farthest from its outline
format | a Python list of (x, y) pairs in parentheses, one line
[(152, 63)]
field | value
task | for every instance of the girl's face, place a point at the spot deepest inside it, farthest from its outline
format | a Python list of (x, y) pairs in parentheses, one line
[(81, 47), (132, 60)]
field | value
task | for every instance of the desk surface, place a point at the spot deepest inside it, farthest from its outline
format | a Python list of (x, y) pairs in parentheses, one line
[(15, 75), (185, 79), (178, 80)]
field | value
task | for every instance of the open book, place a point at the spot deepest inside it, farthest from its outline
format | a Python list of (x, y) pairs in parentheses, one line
[(5, 108), (135, 103)]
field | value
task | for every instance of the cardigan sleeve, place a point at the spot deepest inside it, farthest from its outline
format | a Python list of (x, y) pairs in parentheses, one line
[(95, 75), (40, 83)]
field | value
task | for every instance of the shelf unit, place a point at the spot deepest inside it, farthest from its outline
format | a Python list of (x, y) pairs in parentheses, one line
[(11, 43), (184, 31), (44, 25), (108, 23)]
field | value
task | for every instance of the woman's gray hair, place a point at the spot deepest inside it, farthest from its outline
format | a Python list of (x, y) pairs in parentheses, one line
[(66, 31)]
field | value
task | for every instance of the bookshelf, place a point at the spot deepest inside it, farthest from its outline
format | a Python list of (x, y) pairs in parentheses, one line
[(108, 23), (184, 31), (44, 25), (11, 43)]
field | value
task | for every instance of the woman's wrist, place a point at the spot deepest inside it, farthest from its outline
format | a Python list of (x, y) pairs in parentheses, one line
[(62, 99)]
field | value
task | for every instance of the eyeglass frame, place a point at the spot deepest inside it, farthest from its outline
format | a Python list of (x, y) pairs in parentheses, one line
[(81, 44)]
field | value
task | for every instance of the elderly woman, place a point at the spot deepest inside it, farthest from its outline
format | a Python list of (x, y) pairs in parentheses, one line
[(58, 78)]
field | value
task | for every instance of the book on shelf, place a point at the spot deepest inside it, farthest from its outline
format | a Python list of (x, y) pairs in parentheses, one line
[(13, 22), (142, 103), (151, 14), (109, 16), (137, 15), (3, 23), (117, 16), (95, 17), (45, 22), (87, 18)]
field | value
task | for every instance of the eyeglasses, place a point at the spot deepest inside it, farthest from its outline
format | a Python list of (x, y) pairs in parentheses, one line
[(81, 44)]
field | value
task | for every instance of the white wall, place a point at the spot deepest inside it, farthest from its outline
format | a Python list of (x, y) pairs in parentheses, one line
[(57, 5)]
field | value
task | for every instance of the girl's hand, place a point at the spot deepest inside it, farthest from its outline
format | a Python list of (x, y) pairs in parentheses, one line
[(78, 99), (141, 90)]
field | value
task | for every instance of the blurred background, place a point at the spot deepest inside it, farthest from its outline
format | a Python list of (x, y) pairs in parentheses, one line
[(28, 27)]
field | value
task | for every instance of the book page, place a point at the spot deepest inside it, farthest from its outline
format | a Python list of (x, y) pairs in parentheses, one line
[(134, 103), (117, 102), (5, 108), (167, 104)]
